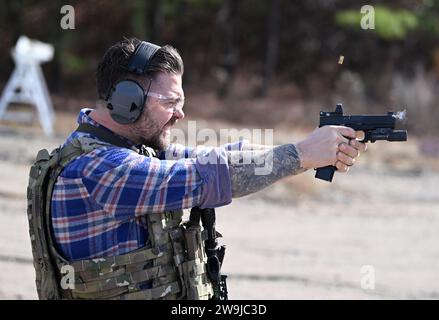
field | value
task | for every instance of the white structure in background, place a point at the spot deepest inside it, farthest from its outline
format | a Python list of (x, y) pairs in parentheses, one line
[(27, 84)]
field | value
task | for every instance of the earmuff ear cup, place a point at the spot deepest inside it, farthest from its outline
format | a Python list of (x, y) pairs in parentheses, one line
[(126, 101)]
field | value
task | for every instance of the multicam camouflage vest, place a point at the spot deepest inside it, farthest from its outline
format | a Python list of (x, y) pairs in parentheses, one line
[(173, 262)]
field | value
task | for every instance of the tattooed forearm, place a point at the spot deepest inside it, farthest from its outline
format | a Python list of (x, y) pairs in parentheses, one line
[(251, 171), (255, 147)]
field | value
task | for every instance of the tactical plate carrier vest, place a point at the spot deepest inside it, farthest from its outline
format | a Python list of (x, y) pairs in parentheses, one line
[(173, 262)]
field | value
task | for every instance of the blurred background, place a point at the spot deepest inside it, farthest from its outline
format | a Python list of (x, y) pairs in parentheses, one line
[(263, 64)]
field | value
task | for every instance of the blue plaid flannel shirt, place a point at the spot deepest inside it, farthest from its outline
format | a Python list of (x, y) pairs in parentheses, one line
[(101, 198)]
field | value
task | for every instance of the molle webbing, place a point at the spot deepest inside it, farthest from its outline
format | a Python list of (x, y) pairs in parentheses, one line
[(124, 276), (121, 260), (171, 265), (165, 267)]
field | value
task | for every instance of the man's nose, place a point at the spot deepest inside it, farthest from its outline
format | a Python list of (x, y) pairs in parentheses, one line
[(179, 114)]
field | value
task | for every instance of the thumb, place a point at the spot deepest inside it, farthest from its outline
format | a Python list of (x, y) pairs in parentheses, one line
[(346, 132)]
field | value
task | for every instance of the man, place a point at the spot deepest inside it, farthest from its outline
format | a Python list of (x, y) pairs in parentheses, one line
[(117, 204)]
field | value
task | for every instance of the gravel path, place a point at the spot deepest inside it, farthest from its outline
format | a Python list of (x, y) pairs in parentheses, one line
[(300, 239)]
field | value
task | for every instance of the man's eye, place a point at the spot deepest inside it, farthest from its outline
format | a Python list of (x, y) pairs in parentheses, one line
[(171, 104)]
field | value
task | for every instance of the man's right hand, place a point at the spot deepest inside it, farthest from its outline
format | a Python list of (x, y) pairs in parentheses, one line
[(330, 146)]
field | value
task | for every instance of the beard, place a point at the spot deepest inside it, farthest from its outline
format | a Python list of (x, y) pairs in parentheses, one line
[(149, 133)]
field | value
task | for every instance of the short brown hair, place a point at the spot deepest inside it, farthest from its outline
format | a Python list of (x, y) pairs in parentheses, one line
[(114, 63)]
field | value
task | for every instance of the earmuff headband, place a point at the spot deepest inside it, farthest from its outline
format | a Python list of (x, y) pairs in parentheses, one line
[(142, 55)]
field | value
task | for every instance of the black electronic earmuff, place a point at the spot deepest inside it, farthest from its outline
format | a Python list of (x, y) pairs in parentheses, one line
[(126, 98)]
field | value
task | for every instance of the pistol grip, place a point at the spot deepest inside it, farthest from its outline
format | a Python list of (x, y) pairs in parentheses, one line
[(325, 173)]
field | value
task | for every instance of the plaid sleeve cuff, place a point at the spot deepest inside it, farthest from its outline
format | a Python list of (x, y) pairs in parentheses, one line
[(236, 146)]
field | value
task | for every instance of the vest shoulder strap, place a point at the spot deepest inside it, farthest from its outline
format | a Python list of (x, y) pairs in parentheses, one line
[(115, 140), (104, 135)]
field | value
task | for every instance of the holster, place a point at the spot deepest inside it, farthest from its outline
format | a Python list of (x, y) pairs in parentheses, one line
[(215, 254)]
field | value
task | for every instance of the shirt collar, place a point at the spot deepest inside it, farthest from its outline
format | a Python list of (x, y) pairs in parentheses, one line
[(84, 117)]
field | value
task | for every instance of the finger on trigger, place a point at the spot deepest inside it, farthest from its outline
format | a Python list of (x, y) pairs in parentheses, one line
[(358, 145)]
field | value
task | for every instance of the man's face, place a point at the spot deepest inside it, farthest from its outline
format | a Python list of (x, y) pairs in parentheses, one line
[(163, 108)]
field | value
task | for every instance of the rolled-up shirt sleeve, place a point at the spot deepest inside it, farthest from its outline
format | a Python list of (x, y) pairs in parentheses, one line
[(212, 166), (177, 151)]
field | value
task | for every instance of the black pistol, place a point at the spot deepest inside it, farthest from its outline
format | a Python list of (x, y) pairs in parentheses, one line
[(375, 127)]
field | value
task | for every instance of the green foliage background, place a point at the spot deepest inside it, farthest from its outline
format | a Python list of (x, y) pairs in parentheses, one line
[(269, 43)]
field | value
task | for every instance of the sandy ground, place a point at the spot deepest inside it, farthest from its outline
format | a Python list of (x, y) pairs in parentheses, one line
[(299, 239)]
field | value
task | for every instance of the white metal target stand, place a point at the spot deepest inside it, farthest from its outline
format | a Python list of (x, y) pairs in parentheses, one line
[(27, 84)]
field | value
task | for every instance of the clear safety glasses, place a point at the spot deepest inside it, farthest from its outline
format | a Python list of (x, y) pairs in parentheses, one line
[(169, 102)]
